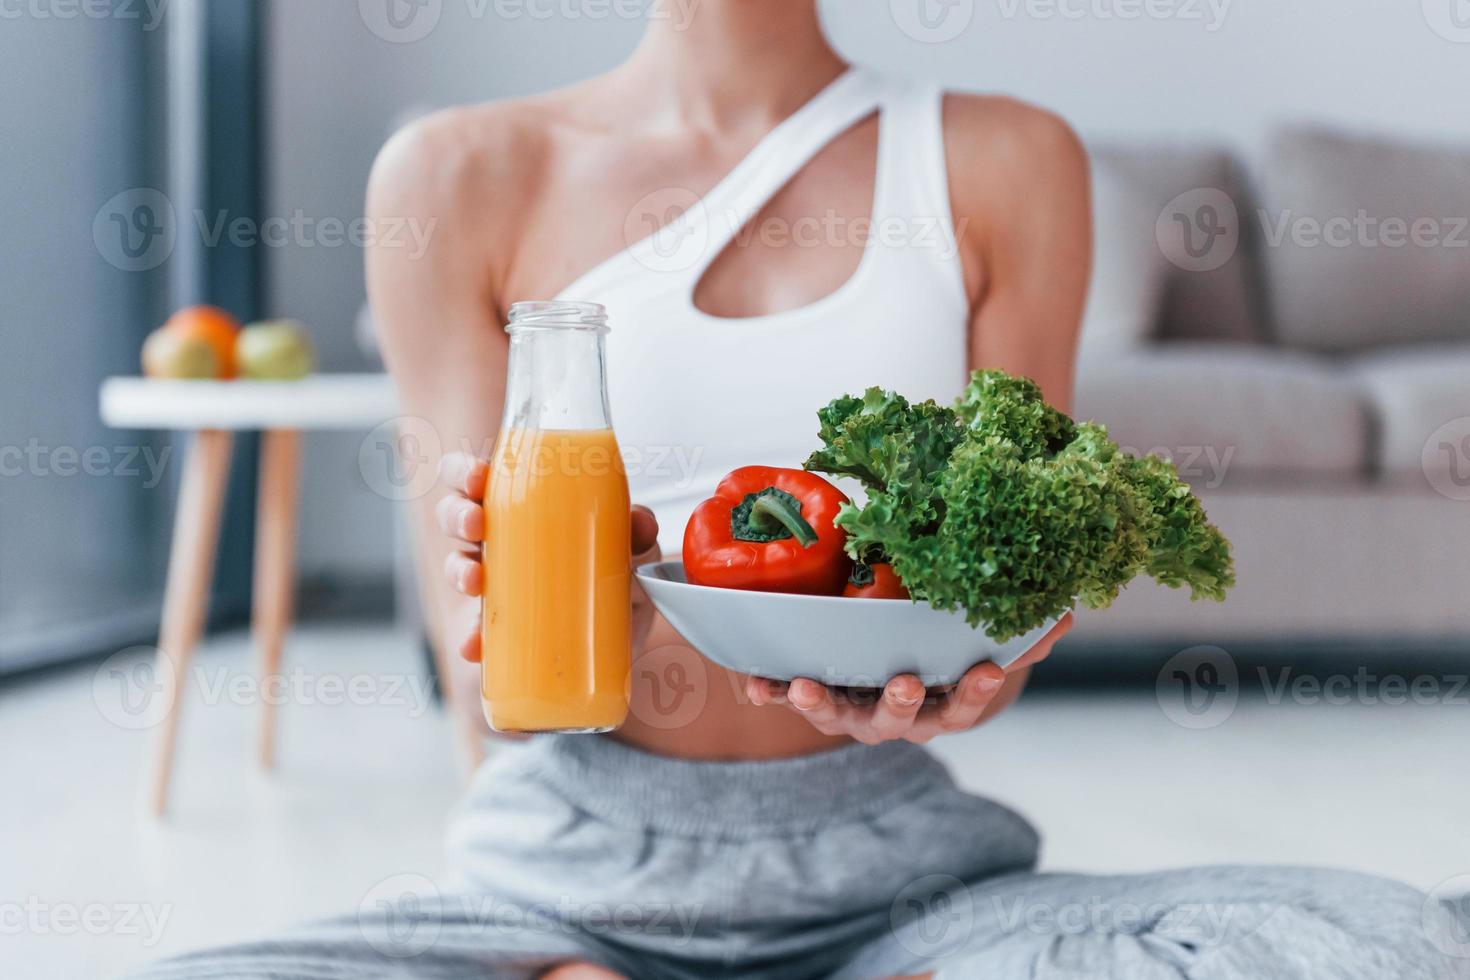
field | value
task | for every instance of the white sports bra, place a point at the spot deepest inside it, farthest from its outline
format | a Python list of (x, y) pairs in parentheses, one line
[(686, 407)]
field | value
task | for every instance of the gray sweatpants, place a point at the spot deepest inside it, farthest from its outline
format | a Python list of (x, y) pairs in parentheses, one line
[(864, 862)]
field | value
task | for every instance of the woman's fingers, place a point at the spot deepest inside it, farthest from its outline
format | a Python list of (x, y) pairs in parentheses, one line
[(762, 691), (465, 573), (1043, 649), (905, 709), (645, 536), (465, 474), (815, 702), (470, 647), (461, 519), (962, 707), (896, 710)]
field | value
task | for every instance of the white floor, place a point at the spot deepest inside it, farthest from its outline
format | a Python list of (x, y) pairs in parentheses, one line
[(88, 887)]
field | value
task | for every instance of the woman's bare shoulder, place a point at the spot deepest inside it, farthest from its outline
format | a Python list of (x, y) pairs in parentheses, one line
[(454, 161), (997, 146)]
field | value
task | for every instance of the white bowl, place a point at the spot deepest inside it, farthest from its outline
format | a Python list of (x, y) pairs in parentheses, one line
[(837, 641)]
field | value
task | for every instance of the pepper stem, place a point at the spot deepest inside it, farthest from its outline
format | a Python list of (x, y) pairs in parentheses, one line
[(771, 515)]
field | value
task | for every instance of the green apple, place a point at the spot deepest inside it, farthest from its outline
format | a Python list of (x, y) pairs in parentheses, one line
[(167, 355), (276, 350)]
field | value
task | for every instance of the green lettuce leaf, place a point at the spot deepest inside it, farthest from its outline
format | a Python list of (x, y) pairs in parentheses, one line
[(1007, 509)]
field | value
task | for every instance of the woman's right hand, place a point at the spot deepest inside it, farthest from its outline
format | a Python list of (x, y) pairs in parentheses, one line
[(461, 516)]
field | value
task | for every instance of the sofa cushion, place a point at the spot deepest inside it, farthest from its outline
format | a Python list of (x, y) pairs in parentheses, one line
[(1416, 394), (1217, 303), (1366, 242), (1128, 270), (1219, 410)]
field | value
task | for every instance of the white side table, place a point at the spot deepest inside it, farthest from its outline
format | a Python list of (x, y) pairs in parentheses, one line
[(213, 411)]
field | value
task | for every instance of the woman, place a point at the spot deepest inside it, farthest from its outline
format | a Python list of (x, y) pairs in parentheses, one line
[(776, 831)]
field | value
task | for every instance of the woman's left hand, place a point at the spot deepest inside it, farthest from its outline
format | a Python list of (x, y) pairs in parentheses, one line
[(906, 709)]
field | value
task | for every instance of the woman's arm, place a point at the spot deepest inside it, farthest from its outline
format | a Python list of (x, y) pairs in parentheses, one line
[(1019, 186), (1032, 258), (441, 338)]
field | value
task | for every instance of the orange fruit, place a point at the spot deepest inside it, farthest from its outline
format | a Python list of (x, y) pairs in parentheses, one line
[(214, 327)]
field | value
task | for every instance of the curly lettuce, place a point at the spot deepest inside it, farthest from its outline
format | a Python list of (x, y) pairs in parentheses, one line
[(1007, 509)]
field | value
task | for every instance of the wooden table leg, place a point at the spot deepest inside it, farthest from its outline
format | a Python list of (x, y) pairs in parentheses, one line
[(275, 568), (190, 579)]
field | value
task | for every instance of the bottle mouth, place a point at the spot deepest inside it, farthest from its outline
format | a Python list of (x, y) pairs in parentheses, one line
[(558, 315)]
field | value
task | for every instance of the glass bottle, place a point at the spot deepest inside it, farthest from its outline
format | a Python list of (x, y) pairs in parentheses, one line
[(557, 643)]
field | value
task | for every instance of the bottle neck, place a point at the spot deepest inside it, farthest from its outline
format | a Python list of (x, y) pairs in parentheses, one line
[(557, 379)]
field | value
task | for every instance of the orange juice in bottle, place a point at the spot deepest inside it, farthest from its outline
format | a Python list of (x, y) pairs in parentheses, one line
[(557, 651)]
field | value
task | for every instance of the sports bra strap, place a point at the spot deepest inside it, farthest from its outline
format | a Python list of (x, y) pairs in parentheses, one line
[(781, 155)]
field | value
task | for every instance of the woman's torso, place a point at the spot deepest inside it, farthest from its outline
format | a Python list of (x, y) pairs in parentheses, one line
[(744, 296)]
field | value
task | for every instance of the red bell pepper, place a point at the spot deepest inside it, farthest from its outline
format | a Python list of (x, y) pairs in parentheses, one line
[(878, 581), (769, 530)]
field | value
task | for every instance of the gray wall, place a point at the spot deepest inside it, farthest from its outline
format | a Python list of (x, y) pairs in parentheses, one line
[(80, 545), (335, 86)]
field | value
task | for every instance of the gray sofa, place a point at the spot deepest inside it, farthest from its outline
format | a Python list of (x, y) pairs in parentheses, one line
[(1306, 362)]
